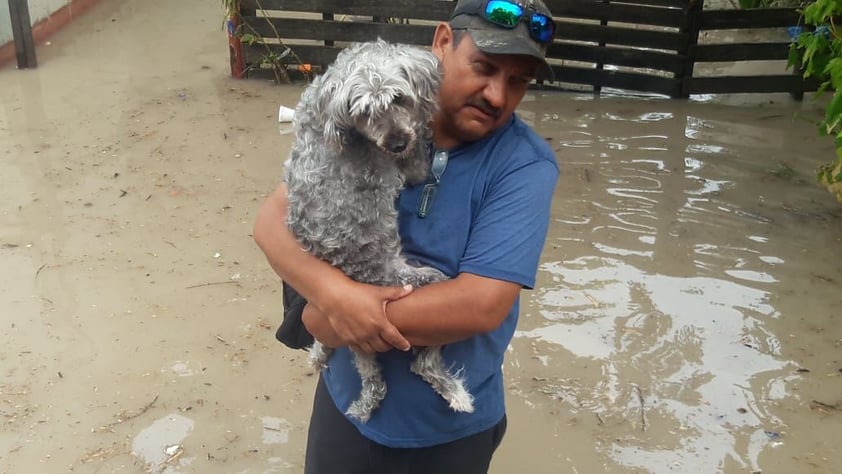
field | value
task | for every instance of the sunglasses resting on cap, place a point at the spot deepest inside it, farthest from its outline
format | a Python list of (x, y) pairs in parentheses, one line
[(511, 13)]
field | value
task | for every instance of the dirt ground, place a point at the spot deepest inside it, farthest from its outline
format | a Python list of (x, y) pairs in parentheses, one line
[(138, 315)]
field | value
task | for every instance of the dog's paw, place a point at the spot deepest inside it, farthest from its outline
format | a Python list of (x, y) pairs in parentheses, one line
[(358, 411), (421, 276), (461, 401), (318, 356)]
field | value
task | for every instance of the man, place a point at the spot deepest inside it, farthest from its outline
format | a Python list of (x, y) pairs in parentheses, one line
[(484, 227)]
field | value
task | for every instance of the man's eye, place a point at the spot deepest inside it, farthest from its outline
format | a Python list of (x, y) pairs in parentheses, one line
[(483, 68)]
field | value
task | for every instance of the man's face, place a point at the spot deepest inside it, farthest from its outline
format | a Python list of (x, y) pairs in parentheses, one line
[(479, 92)]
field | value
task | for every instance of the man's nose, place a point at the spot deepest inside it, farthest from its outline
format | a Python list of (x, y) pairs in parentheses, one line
[(495, 92)]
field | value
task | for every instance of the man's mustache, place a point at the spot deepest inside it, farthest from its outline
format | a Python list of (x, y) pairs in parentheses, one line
[(483, 105)]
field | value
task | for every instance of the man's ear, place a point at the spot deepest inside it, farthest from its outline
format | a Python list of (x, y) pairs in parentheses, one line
[(442, 40)]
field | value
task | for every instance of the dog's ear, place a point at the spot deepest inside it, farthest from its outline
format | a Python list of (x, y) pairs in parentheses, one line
[(424, 76), (331, 108)]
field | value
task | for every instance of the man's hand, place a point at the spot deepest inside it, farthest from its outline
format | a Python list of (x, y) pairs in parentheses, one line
[(355, 316)]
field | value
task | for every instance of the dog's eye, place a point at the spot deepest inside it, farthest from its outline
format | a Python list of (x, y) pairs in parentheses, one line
[(401, 100)]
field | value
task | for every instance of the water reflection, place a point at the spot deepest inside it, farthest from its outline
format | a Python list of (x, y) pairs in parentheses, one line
[(664, 267)]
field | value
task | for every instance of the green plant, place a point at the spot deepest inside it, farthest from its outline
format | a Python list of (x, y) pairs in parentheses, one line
[(272, 60), (819, 55)]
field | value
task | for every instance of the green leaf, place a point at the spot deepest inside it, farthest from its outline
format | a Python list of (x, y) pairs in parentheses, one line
[(833, 112), (834, 69)]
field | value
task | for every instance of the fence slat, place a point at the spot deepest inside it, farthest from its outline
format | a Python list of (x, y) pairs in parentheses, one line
[(436, 10), (350, 31), (308, 54), (617, 56), (666, 40), (746, 84), (756, 18), (618, 80), (557, 5), (641, 14), (739, 52)]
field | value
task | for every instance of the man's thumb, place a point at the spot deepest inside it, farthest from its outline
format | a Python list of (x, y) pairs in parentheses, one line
[(397, 292)]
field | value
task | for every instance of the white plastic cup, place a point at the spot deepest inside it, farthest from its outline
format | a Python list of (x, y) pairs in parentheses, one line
[(285, 114)]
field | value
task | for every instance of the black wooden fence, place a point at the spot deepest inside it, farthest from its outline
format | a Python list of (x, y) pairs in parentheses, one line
[(657, 46)]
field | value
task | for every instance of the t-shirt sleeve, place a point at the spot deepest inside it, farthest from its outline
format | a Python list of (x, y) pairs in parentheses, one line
[(508, 233)]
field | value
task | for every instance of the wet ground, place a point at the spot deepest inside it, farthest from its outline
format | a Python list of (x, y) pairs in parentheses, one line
[(686, 318)]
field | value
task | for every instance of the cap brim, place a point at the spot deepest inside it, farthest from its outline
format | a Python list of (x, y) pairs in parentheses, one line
[(492, 39)]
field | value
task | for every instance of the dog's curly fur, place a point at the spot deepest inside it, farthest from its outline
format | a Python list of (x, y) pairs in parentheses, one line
[(361, 132)]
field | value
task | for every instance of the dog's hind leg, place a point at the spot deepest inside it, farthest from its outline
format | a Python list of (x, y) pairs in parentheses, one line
[(373, 389), (429, 364)]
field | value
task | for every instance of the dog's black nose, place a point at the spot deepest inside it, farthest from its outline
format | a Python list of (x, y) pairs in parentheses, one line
[(396, 144)]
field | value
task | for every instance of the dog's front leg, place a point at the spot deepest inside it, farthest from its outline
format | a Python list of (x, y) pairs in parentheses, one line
[(318, 355), (373, 389), (406, 274)]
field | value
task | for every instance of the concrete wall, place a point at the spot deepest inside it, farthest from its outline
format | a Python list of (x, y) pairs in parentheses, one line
[(38, 10)]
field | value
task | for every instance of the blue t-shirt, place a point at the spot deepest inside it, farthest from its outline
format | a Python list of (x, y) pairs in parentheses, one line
[(489, 218)]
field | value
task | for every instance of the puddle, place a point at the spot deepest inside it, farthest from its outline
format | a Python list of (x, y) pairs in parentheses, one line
[(275, 430), (159, 445)]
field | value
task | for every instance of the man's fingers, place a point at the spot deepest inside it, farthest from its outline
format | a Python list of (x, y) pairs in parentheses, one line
[(381, 346), (364, 347), (391, 335)]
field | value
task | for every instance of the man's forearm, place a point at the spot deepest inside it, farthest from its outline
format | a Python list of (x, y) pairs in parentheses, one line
[(453, 310)]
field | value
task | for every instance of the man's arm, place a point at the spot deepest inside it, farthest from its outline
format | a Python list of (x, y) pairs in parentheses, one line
[(438, 314), (453, 310), (356, 312)]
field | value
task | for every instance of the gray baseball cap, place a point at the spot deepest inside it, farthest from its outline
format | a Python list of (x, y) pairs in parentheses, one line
[(491, 38)]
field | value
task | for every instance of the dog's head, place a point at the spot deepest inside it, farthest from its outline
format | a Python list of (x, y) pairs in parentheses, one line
[(382, 92)]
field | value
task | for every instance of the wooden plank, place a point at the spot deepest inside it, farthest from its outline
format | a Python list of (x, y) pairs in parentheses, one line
[(755, 18), (22, 34), (617, 79), (610, 11), (666, 40), (746, 84), (316, 55), (436, 10), (350, 31), (616, 56), (557, 5), (739, 52)]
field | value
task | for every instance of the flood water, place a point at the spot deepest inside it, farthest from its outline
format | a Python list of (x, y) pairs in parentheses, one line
[(686, 317), (687, 314)]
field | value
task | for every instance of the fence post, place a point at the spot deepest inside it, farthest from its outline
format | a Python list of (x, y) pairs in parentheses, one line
[(235, 46), (691, 28), (22, 34), (600, 66)]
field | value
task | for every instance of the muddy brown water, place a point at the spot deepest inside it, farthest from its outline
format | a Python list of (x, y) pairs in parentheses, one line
[(686, 317)]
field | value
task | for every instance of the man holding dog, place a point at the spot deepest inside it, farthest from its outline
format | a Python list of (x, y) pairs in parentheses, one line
[(481, 220)]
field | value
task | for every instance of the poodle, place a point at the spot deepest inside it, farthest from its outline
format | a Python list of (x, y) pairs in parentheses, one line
[(361, 132)]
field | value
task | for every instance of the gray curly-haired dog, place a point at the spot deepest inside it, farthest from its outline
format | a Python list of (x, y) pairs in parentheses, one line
[(361, 132)]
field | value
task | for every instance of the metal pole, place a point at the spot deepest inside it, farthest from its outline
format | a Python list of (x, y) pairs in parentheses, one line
[(22, 34)]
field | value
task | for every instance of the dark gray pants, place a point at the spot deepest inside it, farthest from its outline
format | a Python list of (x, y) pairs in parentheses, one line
[(335, 446)]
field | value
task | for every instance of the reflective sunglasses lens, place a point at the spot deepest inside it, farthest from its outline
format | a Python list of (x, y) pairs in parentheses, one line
[(503, 13), (542, 28)]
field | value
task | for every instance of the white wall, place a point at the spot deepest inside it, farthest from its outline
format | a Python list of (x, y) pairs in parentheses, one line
[(38, 10)]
